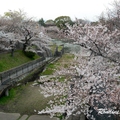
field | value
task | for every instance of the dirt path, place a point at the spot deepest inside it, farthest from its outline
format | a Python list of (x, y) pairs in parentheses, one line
[(27, 100)]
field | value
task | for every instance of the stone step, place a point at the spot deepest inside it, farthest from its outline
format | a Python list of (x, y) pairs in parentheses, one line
[(9, 116), (16, 116), (41, 117), (24, 117)]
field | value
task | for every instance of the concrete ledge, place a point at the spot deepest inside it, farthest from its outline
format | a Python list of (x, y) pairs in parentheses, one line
[(24, 117), (41, 117), (9, 116)]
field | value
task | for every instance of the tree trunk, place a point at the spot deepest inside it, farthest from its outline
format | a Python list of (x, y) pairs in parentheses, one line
[(12, 52)]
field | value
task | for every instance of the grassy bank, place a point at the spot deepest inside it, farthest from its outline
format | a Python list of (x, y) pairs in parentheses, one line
[(52, 67), (7, 61), (5, 99), (28, 99), (53, 48)]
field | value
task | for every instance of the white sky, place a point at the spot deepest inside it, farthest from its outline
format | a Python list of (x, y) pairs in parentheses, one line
[(51, 9)]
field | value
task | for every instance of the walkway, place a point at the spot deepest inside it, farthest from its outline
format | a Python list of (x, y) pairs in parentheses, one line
[(17, 116)]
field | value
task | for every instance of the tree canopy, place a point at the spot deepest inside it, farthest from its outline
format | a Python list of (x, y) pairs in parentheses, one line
[(62, 20), (41, 22), (15, 26)]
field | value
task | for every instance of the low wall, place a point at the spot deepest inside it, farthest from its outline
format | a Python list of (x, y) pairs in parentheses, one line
[(19, 72), (16, 74), (11, 77)]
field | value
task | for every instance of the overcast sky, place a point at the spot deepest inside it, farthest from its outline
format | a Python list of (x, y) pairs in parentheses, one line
[(51, 9)]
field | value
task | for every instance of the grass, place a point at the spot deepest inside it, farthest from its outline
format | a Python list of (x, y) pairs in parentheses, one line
[(25, 99), (60, 48), (7, 61), (13, 92), (53, 48), (61, 78), (47, 72), (52, 67), (6, 99), (68, 56), (49, 69)]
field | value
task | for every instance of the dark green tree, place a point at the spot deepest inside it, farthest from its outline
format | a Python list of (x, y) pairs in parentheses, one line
[(41, 22), (62, 20)]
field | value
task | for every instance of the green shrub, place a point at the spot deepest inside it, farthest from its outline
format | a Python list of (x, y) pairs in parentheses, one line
[(30, 54), (5, 99)]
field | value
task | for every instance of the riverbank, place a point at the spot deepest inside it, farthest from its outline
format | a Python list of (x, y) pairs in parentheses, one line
[(28, 99)]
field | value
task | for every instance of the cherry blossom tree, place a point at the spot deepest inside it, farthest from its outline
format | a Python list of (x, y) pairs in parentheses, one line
[(94, 83), (113, 16), (7, 42), (97, 38), (104, 43), (24, 30)]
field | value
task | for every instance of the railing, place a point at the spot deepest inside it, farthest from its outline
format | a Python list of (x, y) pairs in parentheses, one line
[(17, 73), (12, 76)]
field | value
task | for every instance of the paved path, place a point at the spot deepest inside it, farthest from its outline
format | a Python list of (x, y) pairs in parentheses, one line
[(17, 116)]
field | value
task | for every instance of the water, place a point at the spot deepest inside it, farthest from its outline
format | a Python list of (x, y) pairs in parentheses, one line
[(68, 47)]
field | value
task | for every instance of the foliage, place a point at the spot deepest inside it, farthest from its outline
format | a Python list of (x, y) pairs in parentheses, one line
[(113, 16), (29, 54), (97, 38), (19, 29), (60, 48), (50, 22), (15, 15), (49, 70), (94, 76), (53, 48), (41, 22), (62, 20), (52, 67), (25, 95), (61, 78), (5, 99)]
